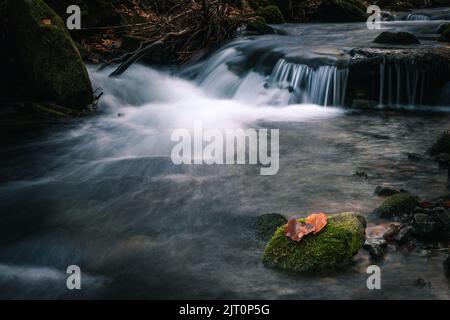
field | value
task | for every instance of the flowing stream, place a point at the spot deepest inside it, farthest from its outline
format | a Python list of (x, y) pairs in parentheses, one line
[(102, 192)]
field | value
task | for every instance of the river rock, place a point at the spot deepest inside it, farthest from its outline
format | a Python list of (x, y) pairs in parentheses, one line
[(47, 59), (259, 26), (444, 30), (333, 247), (267, 224), (385, 191), (441, 146), (397, 38), (424, 225), (376, 251), (397, 205)]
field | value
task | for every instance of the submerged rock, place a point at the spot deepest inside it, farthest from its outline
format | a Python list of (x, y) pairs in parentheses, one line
[(332, 247), (397, 205), (396, 38), (50, 65), (267, 224)]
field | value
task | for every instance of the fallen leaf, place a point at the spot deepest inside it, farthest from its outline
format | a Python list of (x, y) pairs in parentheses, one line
[(296, 230), (47, 22), (426, 204), (447, 205), (319, 220)]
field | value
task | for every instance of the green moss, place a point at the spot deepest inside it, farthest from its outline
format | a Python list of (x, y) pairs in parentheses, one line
[(333, 247), (442, 145), (402, 203), (267, 224), (271, 14), (52, 67), (258, 25)]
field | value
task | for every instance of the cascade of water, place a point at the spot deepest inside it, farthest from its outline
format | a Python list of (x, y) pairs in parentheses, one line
[(401, 82), (417, 17), (324, 85)]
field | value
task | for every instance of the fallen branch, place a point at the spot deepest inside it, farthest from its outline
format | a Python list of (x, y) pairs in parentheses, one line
[(139, 53)]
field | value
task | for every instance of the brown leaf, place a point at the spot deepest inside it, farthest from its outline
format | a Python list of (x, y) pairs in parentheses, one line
[(296, 230), (47, 22), (319, 220)]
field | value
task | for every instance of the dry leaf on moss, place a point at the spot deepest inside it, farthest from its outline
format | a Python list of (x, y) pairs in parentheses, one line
[(296, 230)]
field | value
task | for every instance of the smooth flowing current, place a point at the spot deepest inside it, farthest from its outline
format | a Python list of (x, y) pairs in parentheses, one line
[(102, 192)]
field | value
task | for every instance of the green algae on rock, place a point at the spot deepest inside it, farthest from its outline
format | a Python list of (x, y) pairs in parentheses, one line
[(333, 247), (397, 205), (50, 65)]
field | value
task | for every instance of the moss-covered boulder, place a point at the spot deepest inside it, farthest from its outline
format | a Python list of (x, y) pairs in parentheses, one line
[(397, 205), (271, 14), (341, 11), (47, 59), (333, 247), (267, 224), (258, 26)]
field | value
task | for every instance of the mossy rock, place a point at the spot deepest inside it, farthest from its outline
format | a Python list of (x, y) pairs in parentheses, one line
[(442, 145), (259, 26), (333, 247), (267, 224), (444, 30), (51, 66), (397, 205), (271, 14), (341, 11)]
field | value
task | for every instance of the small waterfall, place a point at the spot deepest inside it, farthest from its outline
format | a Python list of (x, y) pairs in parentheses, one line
[(324, 85), (417, 17), (402, 82)]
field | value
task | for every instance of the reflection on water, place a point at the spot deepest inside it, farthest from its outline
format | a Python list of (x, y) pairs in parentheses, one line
[(102, 193)]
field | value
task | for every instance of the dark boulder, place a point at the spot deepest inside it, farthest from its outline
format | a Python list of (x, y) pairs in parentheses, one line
[(444, 30), (396, 38), (442, 144), (385, 191), (47, 59)]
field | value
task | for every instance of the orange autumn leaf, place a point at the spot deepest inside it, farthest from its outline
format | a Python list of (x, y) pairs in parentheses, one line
[(47, 22), (296, 230), (319, 220)]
